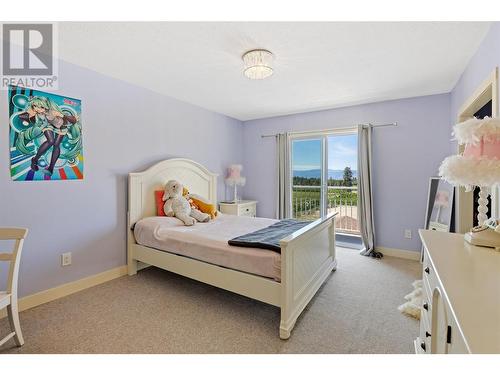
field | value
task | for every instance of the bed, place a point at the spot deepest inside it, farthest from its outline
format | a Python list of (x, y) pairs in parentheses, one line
[(208, 242), (306, 259)]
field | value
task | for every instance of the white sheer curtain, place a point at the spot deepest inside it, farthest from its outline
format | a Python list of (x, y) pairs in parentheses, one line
[(283, 184), (365, 192)]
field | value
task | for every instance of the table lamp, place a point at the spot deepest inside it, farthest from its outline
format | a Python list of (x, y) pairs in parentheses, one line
[(479, 165), (235, 179)]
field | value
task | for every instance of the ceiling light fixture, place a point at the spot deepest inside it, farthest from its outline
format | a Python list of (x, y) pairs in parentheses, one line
[(258, 64)]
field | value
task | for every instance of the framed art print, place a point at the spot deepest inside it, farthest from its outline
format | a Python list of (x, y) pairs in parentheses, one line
[(45, 136), (439, 213), (442, 207)]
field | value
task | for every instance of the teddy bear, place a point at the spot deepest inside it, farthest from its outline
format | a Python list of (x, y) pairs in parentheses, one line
[(200, 203), (178, 206)]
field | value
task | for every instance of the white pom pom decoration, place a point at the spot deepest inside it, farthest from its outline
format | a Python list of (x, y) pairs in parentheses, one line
[(470, 172), (471, 131)]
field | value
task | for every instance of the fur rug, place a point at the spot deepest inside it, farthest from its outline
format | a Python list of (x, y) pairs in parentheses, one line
[(413, 301)]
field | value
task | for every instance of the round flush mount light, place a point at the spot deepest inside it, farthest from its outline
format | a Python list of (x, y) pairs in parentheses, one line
[(258, 64)]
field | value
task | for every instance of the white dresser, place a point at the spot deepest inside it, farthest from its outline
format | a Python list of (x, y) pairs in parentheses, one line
[(461, 302), (240, 208)]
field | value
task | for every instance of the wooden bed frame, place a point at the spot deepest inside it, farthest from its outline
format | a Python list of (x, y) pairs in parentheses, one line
[(307, 255)]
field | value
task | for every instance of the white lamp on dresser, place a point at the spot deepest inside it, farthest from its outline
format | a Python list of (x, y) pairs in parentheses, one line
[(479, 165)]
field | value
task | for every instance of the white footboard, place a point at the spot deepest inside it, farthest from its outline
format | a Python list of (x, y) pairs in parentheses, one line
[(307, 259)]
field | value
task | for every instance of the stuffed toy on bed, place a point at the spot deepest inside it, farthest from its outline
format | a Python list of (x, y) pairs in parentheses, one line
[(200, 203), (177, 205)]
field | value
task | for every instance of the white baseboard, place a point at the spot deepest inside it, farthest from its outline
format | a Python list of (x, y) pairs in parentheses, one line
[(60, 291), (399, 253)]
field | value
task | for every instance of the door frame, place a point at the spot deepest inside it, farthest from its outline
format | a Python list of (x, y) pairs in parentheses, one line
[(488, 90)]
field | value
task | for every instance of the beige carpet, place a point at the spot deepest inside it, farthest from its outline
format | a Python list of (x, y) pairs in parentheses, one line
[(160, 312)]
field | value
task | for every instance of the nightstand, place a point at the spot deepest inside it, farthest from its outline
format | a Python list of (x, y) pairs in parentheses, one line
[(240, 208)]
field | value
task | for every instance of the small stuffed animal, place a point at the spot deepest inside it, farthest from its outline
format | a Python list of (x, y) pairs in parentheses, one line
[(413, 301), (200, 203), (178, 206)]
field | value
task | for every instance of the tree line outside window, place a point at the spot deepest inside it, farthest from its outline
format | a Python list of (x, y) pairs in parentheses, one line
[(347, 180)]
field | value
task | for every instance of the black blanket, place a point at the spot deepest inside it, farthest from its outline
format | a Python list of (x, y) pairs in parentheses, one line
[(269, 237)]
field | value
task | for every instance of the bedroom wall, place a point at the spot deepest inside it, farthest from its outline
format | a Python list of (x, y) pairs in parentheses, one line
[(404, 158), (126, 128)]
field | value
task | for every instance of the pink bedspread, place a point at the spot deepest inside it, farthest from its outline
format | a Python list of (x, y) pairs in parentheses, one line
[(208, 242)]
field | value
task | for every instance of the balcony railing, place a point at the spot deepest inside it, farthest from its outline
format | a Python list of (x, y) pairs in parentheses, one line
[(306, 205)]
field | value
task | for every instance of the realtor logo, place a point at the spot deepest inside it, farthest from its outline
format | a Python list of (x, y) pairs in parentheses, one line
[(28, 55)]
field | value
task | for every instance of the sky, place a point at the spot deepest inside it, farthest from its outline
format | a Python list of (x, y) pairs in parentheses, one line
[(342, 152)]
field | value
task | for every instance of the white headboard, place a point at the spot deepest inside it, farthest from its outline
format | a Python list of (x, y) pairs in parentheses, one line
[(141, 186)]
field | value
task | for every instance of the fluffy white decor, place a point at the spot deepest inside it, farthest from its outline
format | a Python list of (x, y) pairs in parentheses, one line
[(413, 302), (470, 172), (471, 131)]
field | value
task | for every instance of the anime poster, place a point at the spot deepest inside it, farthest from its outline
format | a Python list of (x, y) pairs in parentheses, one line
[(45, 136)]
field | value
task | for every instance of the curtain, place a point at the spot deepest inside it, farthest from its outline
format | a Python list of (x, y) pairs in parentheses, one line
[(365, 193), (283, 184)]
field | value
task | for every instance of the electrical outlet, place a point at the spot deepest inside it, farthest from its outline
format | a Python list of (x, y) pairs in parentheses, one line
[(65, 259), (408, 233)]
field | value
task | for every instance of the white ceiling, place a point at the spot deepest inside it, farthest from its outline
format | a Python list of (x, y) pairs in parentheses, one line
[(317, 65)]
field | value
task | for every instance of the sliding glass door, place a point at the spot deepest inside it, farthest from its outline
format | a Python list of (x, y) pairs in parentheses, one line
[(324, 177), (342, 184), (307, 178)]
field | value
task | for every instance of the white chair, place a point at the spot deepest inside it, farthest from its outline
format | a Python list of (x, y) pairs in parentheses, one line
[(8, 299)]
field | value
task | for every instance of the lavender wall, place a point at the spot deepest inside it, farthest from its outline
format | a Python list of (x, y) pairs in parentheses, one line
[(404, 158), (126, 128), (484, 61)]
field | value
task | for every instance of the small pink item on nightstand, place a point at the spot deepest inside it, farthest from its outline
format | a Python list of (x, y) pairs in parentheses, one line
[(235, 179), (234, 172)]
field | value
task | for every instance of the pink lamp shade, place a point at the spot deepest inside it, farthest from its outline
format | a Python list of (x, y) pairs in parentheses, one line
[(489, 149), (234, 171), (234, 175), (480, 163)]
